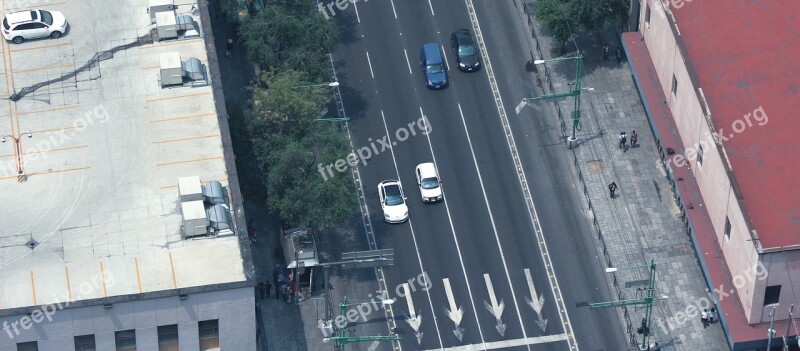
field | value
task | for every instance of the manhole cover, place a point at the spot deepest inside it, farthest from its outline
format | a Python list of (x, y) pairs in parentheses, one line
[(32, 243), (596, 166)]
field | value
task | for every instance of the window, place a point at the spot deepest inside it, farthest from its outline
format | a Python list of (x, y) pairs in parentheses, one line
[(674, 85), (700, 154), (647, 15), (772, 295), (727, 228), (209, 335), (28, 346), (168, 338), (85, 343), (125, 340)]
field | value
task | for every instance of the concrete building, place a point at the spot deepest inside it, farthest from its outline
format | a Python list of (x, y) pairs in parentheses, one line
[(729, 73), (101, 248)]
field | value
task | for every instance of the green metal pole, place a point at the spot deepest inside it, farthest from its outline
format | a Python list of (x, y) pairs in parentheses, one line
[(649, 303), (576, 115)]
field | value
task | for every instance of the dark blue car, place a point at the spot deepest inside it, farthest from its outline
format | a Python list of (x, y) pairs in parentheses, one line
[(432, 63)]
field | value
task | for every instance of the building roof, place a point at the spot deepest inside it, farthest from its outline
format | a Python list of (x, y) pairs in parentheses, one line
[(745, 56), (107, 149)]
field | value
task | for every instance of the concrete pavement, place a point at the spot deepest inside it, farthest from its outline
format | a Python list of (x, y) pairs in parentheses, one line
[(643, 220)]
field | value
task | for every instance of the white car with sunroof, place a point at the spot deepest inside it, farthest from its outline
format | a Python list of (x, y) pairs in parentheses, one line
[(430, 187), (393, 201)]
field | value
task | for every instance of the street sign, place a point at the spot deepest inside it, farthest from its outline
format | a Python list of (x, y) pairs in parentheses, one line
[(367, 259)]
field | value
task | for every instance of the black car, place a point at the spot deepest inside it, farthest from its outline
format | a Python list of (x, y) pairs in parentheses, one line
[(465, 50)]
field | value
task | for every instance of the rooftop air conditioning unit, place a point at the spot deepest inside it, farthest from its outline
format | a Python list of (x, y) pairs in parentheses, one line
[(194, 72), (188, 26), (195, 222), (215, 194), (219, 218), (171, 69), (166, 25), (156, 6), (190, 189)]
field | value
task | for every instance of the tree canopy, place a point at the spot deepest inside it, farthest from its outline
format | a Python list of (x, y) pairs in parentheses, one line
[(564, 18)]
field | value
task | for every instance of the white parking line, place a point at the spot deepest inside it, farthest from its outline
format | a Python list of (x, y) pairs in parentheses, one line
[(455, 237), (509, 343), (538, 235), (355, 4), (411, 226), (431, 5), (395, 12), (369, 62), (494, 227), (408, 62), (444, 53)]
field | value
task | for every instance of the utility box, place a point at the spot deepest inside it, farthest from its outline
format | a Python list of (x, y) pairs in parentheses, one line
[(195, 222), (166, 25), (156, 6), (171, 69)]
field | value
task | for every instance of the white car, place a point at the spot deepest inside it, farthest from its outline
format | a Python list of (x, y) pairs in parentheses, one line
[(393, 201), (31, 24), (430, 187)]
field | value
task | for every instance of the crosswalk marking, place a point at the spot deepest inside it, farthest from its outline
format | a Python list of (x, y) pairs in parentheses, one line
[(508, 343)]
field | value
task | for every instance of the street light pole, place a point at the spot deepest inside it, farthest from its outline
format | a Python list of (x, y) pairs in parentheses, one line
[(647, 301), (575, 92), (17, 148)]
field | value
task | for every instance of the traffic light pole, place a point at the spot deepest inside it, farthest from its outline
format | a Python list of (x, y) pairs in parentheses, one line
[(647, 301)]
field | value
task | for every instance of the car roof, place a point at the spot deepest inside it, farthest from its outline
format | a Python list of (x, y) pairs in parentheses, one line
[(427, 170), (20, 16), (463, 36)]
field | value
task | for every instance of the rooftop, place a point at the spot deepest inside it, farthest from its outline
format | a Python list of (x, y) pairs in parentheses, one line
[(744, 59), (98, 213)]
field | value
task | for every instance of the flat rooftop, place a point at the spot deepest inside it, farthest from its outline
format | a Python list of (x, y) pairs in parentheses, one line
[(745, 56), (108, 145)]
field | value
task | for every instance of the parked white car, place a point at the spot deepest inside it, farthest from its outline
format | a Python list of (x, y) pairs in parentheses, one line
[(31, 24), (393, 201), (430, 187)]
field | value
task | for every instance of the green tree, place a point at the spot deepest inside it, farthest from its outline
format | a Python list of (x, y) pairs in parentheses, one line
[(563, 18), (290, 37), (286, 101), (558, 17)]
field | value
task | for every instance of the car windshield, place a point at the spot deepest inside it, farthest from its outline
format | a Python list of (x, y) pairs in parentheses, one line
[(429, 183), (393, 195), (431, 69), (466, 50), (47, 18)]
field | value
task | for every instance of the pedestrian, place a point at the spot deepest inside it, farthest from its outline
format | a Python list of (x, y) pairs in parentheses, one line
[(260, 290), (268, 288), (623, 139), (277, 291), (605, 52), (634, 139), (612, 188), (229, 48), (704, 318), (655, 347), (619, 56), (711, 314)]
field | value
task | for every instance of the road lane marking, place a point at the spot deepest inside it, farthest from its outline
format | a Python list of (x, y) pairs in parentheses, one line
[(393, 11), (431, 5), (413, 319), (444, 53), (534, 217), (355, 4), (455, 313), (494, 226), (408, 62), (534, 340), (536, 301), (495, 309), (455, 237), (367, 222), (369, 62), (411, 226)]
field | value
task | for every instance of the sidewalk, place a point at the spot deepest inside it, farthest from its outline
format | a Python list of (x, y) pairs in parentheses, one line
[(643, 221)]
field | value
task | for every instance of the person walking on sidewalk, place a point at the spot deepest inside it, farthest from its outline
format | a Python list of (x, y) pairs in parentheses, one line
[(704, 318), (711, 314), (619, 56), (623, 139), (634, 139), (605, 52), (229, 48), (612, 188)]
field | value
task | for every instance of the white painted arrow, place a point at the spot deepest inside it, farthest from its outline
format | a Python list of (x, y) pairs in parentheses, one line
[(536, 302), (494, 308), (455, 313), (413, 320)]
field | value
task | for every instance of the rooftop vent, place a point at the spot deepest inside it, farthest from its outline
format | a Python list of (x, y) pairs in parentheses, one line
[(32, 244), (156, 6), (204, 208), (171, 26)]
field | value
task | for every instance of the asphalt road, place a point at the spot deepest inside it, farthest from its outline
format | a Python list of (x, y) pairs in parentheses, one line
[(481, 240)]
